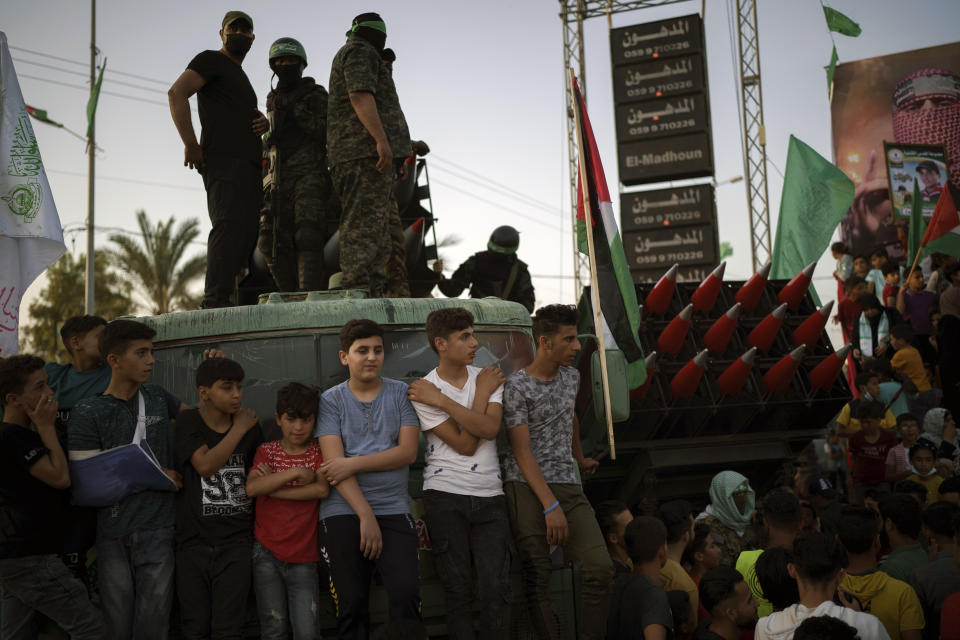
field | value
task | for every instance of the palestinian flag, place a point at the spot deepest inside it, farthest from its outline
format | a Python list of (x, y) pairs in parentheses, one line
[(618, 298), (943, 231), (41, 116)]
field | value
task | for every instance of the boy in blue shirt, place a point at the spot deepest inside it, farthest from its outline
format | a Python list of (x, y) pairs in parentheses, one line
[(368, 433), (87, 374)]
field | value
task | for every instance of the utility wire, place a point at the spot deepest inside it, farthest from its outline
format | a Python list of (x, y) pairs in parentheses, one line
[(497, 190), (84, 75), (86, 88), (546, 223), (100, 229), (165, 185), (539, 203), (85, 64)]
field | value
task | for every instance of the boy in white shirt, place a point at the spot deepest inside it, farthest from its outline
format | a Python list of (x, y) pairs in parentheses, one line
[(459, 407), (818, 563)]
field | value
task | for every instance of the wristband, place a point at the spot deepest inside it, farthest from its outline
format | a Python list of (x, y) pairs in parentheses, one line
[(551, 508)]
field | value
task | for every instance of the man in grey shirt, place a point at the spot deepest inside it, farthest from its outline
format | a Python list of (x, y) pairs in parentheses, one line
[(544, 497)]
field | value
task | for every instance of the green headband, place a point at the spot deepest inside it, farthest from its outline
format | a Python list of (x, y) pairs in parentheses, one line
[(379, 25)]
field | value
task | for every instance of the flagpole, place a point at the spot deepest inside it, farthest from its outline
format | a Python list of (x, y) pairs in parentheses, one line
[(594, 288), (91, 160)]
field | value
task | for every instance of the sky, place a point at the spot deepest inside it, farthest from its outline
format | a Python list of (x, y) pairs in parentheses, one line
[(481, 83)]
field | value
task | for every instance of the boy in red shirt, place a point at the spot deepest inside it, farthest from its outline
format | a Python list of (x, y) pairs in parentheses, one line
[(286, 481), (891, 275), (849, 308), (868, 448)]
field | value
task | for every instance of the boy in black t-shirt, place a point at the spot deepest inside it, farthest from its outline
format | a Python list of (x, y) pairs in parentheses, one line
[(640, 607), (215, 443), (33, 471)]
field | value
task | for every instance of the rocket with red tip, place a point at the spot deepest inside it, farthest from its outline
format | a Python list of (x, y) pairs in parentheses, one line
[(823, 375), (733, 378), (706, 294), (658, 300), (809, 332), (765, 333), (718, 335), (749, 294), (671, 339), (685, 383), (793, 293), (650, 362), (778, 378)]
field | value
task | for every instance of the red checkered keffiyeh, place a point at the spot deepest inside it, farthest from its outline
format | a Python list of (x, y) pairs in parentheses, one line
[(926, 110)]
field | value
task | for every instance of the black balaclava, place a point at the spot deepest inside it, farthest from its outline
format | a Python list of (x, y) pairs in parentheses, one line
[(370, 27), (238, 44), (288, 75)]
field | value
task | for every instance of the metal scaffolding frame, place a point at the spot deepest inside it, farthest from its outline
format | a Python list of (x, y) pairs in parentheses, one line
[(572, 15), (754, 133)]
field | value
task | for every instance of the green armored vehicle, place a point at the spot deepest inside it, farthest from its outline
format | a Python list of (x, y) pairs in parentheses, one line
[(294, 337)]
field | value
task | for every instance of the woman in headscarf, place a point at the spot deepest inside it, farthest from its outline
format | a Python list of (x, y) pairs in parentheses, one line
[(732, 502), (940, 429), (948, 344)]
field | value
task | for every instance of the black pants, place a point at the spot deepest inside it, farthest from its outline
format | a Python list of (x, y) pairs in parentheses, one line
[(234, 194), (350, 572), (471, 535), (212, 585)]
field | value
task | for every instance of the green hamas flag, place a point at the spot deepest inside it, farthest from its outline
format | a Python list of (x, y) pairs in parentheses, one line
[(840, 23), (94, 97), (816, 195), (830, 71), (917, 224)]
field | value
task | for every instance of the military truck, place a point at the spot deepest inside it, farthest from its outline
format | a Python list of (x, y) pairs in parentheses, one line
[(294, 337)]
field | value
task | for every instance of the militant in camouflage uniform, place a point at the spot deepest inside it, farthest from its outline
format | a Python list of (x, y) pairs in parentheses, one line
[(362, 159), (398, 285), (296, 219), (494, 272)]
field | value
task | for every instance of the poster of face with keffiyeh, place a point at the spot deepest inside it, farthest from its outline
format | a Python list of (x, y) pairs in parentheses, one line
[(910, 98)]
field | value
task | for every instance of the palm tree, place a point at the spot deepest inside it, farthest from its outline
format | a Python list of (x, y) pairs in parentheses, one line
[(153, 266)]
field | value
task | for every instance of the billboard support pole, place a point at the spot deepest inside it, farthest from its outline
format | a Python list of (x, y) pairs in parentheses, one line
[(754, 133)]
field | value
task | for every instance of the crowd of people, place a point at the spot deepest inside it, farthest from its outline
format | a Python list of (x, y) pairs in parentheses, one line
[(326, 504), (318, 163), (797, 563), (330, 496)]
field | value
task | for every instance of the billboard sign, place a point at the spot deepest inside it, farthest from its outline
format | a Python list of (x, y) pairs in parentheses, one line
[(661, 117), (655, 40), (659, 79), (667, 208), (671, 158), (661, 248), (909, 98)]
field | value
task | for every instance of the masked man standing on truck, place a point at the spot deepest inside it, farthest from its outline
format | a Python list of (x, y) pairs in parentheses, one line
[(228, 155), (494, 272), (297, 188), (367, 136)]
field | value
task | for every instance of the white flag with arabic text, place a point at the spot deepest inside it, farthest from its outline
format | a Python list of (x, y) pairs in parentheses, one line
[(30, 235)]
